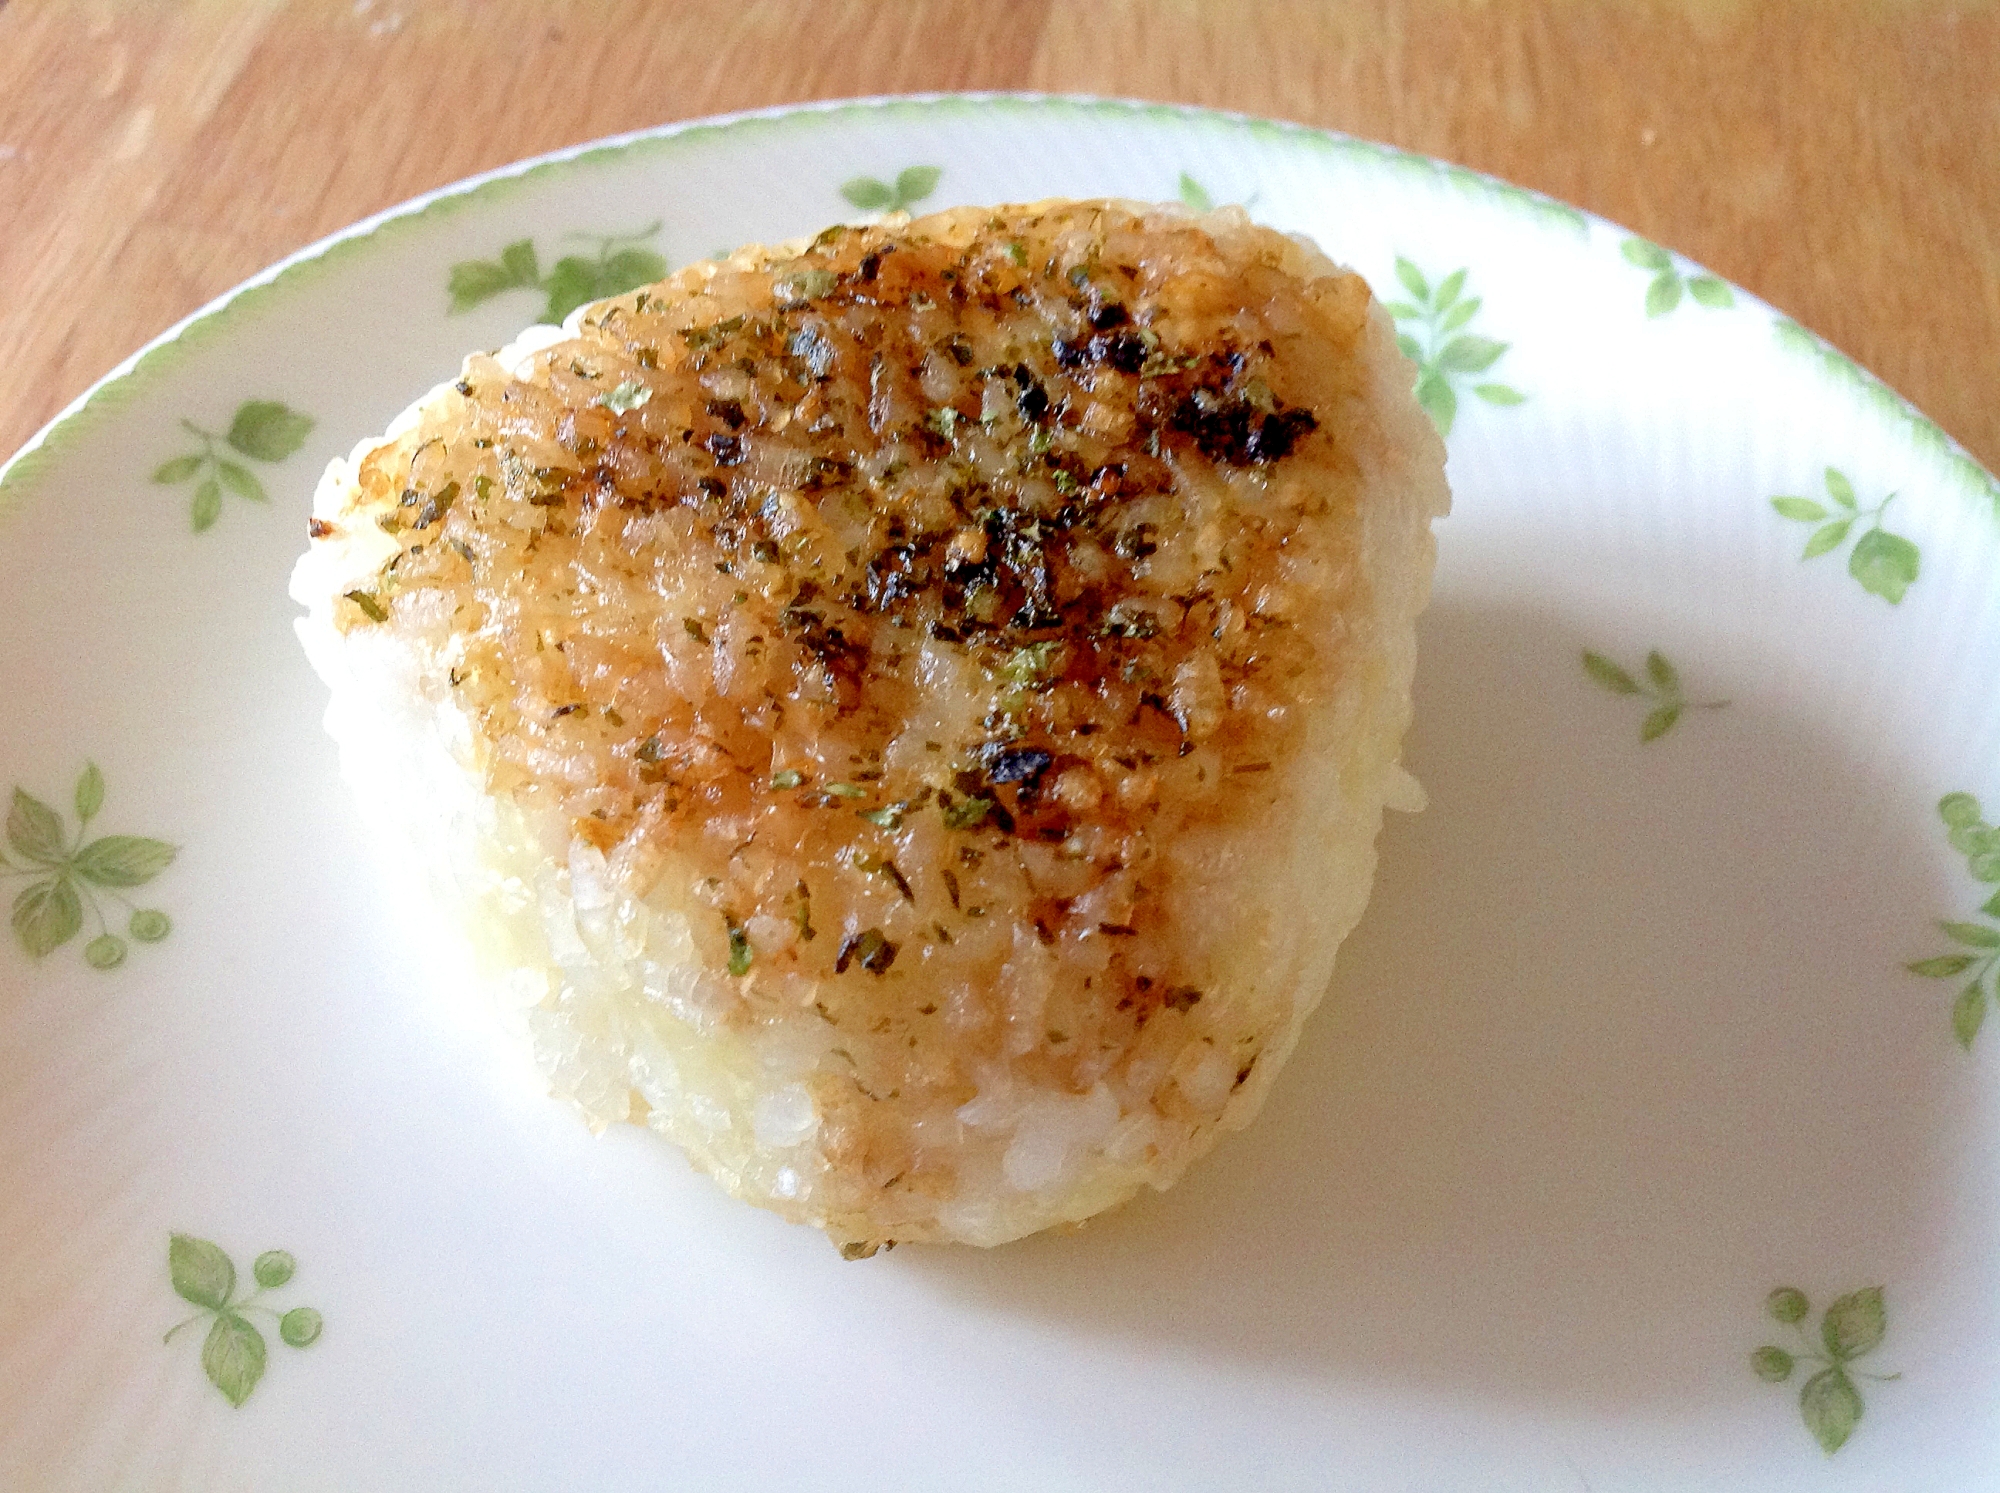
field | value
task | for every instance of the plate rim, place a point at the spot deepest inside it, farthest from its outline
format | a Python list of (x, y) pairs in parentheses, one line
[(156, 357)]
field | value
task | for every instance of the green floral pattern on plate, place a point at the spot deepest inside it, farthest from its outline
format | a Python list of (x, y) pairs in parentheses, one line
[(263, 430), (1661, 684), (1439, 345), (233, 1355), (1979, 842), (1197, 198), (911, 186), (619, 265), (66, 874), (1886, 564), (1664, 291), (1829, 1401)]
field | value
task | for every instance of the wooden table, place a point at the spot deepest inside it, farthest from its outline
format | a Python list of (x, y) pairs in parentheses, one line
[(1839, 158)]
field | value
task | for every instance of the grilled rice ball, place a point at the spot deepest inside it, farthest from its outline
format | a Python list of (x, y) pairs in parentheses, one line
[(905, 715)]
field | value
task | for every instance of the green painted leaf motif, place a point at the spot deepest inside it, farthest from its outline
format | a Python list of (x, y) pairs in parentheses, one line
[(1830, 537), (1663, 294), (1772, 1365), (106, 951), (201, 1271), (1959, 810), (473, 281), (1943, 967), (35, 830), (1974, 935), (572, 283), (1499, 394), (1985, 867), (89, 792), (629, 269), (273, 1268), (1832, 1408), (1711, 292), (1968, 839), (47, 915), (268, 430), (1663, 674), (1968, 1013), (1645, 255), (178, 470), (1470, 354), (1886, 564), (914, 183), (1799, 510), (1459, 314), (1855, 1323), (1839, 488), (233, 1357), (518, 261), (1410, 347), (150, 925), (207, 506), (1608, 674), (868, 194), (1413, 279), (1659, 722), (1194, 195), (1787, 1304), (123, 860), (1402, 310), (1435, 394), (300, 1327), (240, 480), (1991, 906), (1448, 289)]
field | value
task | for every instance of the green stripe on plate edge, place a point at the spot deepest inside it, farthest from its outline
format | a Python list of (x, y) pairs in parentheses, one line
[(1926, 436)]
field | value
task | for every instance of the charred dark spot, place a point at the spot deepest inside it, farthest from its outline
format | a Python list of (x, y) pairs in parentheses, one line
[(1124, 351), (726, 449), (893, 574), (1134, 543), (869, 949), (1107, 316), (825, 471), (1229, 429), (1015, 764), (728, 411)]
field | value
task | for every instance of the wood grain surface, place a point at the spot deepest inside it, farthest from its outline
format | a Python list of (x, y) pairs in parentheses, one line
[(1842, 160)]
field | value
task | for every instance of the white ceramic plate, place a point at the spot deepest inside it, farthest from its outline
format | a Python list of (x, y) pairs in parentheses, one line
[(1628, 1041)]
